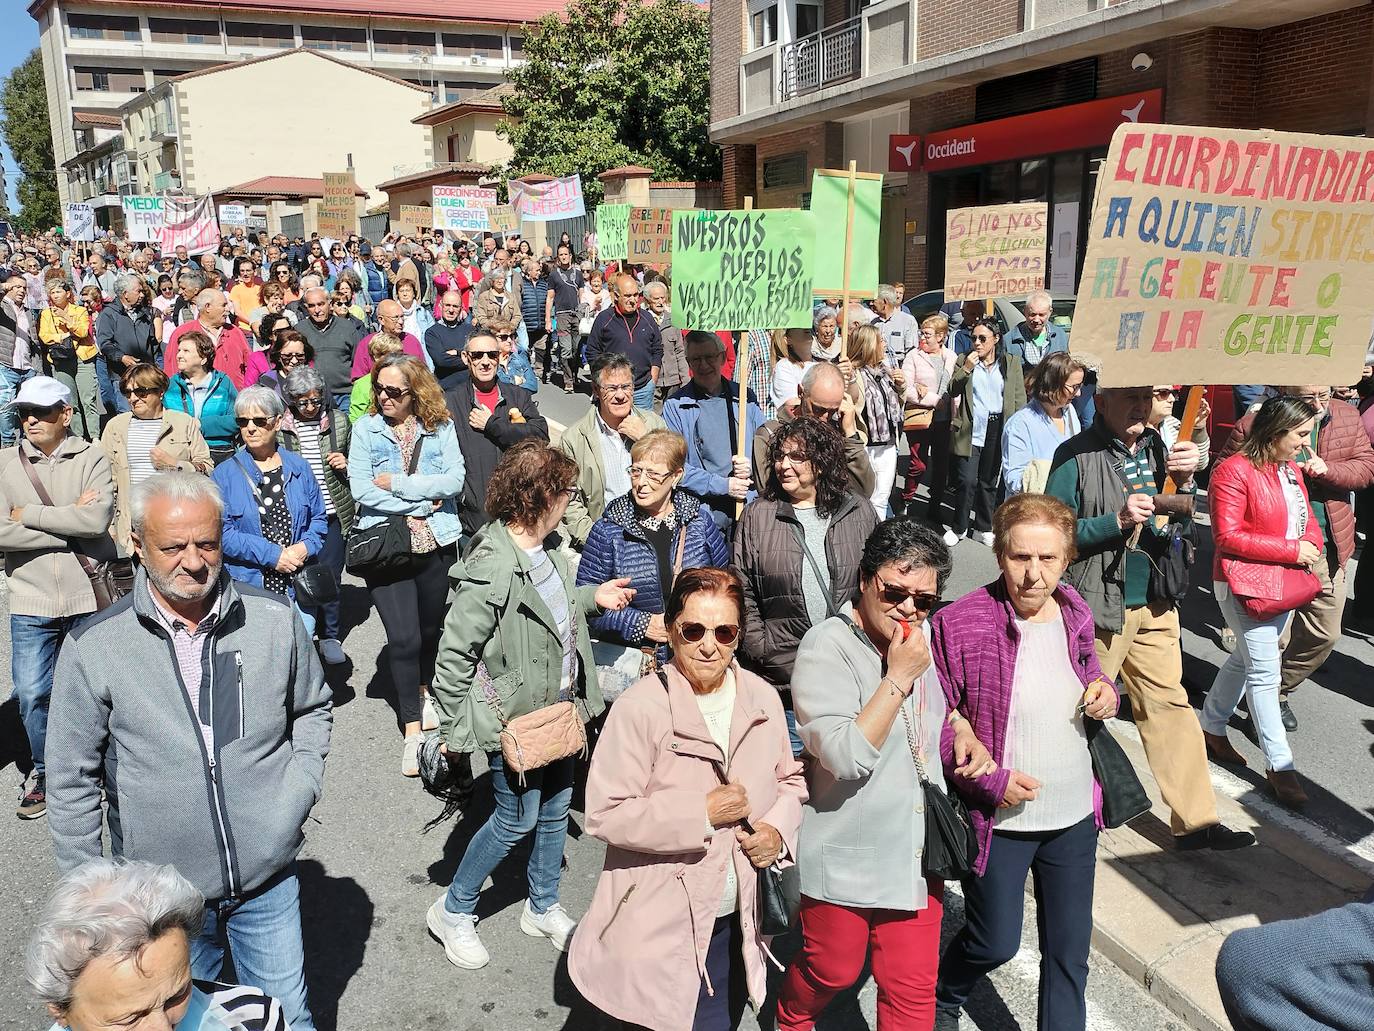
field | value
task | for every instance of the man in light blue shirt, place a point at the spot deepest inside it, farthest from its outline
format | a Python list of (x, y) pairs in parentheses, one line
[(1037, 336)]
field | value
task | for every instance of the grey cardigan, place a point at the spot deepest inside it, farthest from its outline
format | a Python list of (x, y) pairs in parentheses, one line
[(863, 828)]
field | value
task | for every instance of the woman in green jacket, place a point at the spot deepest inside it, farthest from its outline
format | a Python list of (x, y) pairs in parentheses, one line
[(516, 624)]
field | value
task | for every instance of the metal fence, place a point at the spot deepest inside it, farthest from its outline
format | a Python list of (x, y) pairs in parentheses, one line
[(293, 226), (576, 228), (822, 59), (374, 227)]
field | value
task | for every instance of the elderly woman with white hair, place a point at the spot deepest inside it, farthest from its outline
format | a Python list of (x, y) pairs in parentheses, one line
[(113, 949), (274, 514)]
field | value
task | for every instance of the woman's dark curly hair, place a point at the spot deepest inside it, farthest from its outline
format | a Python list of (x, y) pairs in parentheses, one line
[(825, 450), (290, 336), (527, 482)]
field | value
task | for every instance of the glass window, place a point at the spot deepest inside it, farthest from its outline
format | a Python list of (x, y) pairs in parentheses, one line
[(808, 19), (763, 25), (1068, 178), (517, 46), (997, 183), (455, 91), (183, 30), (92, 80), (322, 37), (248, 34), (393, 41), (470, 44), (103, 26), (1033, 183)]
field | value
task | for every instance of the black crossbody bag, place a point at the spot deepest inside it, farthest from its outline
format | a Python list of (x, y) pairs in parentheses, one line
[(384, 548)]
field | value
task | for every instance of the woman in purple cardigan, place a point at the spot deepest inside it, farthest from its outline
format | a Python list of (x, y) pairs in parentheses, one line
[(1016, 658)]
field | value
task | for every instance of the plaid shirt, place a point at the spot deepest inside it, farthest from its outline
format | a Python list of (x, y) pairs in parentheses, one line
[(189, 646), (760, 371)]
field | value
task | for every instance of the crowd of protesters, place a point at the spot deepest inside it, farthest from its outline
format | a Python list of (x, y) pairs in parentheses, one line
[(751, 645)]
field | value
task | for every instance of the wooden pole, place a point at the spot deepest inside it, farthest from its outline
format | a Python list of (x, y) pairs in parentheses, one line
[(1186, 425), (843, 327), (742, 375)]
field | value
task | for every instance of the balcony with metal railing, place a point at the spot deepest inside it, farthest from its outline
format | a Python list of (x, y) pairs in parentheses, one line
[(824, 58)]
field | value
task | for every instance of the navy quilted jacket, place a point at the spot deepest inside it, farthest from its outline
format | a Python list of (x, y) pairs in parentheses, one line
[(616, 547)]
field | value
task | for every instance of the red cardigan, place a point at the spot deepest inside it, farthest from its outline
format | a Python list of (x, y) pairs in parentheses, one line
[(1250, 516)]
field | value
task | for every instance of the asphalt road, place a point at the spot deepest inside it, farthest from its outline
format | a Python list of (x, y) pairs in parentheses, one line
[(369, 871)]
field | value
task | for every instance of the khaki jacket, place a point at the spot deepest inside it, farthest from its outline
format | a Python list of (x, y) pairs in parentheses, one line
[(180, 437), (45, 578), (497, 617), (582, 443)]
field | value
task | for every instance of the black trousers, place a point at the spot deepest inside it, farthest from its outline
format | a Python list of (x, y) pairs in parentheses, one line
[(723, 1010), (980, 474), (412, 605)]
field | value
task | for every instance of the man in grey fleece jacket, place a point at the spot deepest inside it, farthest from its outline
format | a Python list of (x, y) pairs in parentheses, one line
[(201, 708)]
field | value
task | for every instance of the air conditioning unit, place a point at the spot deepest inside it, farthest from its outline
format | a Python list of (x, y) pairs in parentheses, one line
[(478, 59)]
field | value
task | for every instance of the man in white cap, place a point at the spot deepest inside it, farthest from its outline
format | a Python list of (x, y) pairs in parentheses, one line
[(56, 504)]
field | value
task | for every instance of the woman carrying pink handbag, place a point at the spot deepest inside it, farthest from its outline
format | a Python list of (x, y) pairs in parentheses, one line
[(1267, 540)]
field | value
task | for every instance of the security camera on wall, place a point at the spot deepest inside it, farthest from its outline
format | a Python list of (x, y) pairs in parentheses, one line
[(1142, 62)]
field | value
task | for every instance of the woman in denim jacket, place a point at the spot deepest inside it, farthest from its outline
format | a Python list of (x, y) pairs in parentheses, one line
[(408, 412)]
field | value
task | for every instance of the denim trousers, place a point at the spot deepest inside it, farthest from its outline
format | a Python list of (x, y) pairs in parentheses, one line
[(108, 388), (120, 402), (331, 556), (10, 381), (34, 642), (540, 805), (264, 932), (1253, 669), (1062, 865), (644, 396)]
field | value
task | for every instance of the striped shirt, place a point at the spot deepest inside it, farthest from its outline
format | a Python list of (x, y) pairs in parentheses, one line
[(138, 446), (544, 576), (189, 646), (308, 433)]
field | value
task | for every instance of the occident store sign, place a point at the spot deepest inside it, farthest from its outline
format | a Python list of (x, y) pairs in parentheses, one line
[(1074, 127)]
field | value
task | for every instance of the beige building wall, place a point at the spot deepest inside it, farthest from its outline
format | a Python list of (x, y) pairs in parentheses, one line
[(477, 139), (298, 115)]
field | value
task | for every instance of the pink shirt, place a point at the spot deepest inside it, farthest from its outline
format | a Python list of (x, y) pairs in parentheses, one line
[(362, 361)]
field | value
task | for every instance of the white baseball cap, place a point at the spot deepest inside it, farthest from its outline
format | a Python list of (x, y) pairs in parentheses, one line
[(41, 392)]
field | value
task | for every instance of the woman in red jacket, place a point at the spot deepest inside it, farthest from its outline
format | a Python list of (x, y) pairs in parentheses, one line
[(1262, 523)]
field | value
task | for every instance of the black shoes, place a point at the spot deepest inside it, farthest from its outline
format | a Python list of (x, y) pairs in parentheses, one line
[(1289, 717), (945, 1021), (1216, 837)]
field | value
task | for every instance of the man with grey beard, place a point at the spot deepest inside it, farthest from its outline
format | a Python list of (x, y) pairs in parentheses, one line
[(200, 707)]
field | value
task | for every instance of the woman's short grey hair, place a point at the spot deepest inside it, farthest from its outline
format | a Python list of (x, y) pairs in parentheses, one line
[(65, 284), (172, 486), (822, 313), (263, 400), (301, 381), (125, 280), (106, 907), (909, 544)]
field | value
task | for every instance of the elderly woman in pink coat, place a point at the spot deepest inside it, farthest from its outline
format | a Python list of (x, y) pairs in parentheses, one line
[(679, 880)]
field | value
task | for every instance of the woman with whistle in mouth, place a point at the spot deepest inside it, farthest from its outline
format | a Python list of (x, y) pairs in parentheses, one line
[(871, 711), (1018, 656)]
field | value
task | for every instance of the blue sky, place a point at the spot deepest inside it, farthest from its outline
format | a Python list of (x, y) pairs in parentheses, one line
[(20, 36)]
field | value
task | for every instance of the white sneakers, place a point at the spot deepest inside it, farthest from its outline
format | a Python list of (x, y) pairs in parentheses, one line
[(951, 538), (410, 756), (554, 924), (458, 932), (332, 653), (429, 715), (985, 538)]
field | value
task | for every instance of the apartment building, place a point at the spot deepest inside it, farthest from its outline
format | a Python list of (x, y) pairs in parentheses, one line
[(967, 102), (98, 55)]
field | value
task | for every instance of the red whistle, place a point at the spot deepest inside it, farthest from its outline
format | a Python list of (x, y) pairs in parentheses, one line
[(906, 628)]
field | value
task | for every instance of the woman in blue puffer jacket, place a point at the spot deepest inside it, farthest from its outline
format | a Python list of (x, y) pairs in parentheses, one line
[(648, 535)]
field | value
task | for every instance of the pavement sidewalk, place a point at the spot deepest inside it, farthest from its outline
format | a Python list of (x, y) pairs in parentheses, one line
[(1162, 915)]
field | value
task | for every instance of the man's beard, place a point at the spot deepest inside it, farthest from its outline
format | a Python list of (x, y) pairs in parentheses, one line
[(166, 586)]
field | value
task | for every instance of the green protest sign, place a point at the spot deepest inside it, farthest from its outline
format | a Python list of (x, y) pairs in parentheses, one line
[(742, 269), (830, 208), (613, 232)]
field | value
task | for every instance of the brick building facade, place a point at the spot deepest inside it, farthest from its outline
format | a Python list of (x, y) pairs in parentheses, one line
[(784, 105)]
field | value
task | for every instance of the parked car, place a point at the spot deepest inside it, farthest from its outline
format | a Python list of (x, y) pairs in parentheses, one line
[(1008, 309)]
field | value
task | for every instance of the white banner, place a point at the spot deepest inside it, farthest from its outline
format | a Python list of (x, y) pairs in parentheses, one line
[(548, 201), (233, 214), (462, 209), (144, 217), (79, 222)]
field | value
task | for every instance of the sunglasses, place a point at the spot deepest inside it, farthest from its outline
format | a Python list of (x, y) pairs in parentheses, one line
[(475, 355), (292, 357), (309, 402), (894, 595), (47, 414), (505, 336), (142, 392), (726, 633), (795, 457), (260, 422), (393, 393)]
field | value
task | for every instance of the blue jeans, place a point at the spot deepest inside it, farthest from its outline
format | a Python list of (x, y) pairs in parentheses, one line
[(790, 715), (10, 381), (34, 641), (1253, 669), (108, 387), (332, 556), (342, 401), (644, 396), (540, 806), (264, 931)]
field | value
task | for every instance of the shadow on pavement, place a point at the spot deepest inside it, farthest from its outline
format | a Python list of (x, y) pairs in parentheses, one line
[(14, 743), (337, 918)]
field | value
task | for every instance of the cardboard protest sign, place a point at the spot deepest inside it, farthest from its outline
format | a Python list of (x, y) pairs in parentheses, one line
[(503, 219), (413, 218), (143, 217), (995, 251), (233, 214), (613, 231), (548, 201), (830, 209), (462, 209), (1229, 256), (189, 222), (78, 222), (338, 213), (742, 269), (650, 236)]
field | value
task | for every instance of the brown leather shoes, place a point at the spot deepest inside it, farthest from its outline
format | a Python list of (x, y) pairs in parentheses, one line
[(1287, 788), (1219, 747)]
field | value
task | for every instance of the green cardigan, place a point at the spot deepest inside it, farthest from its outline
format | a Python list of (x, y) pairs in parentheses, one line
[(961, 386), (496, 617)]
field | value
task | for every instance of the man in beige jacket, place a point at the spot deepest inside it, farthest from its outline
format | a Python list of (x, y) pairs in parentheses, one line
[(41, 532)]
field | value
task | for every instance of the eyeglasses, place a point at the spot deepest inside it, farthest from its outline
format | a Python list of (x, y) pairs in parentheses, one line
[(1314, 399), (292, 357), (639, 472), (476, 355), (142, 392), (617, 389), (310, 401), (505, 336), (795, 457), (48, 414), (894, 595), (260, 422), (726, 633)]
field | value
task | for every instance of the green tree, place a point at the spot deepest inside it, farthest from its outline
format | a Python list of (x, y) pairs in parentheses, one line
[(24, 102), (611, 83)]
